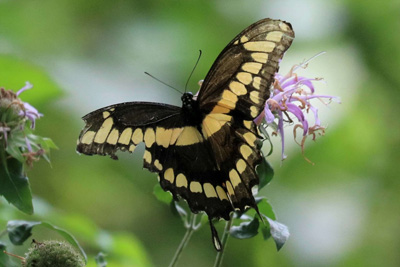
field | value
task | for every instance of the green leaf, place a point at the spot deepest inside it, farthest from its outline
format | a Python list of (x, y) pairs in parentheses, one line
[(101, 260), (245, 229), (161, 195), (265, 172), (266, 231), (14, 185), (265, 208), (279, 232), (19, 231), (4, 258)]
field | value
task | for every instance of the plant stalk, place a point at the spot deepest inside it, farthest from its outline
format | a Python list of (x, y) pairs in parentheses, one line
[(191, 227), (224, 241)]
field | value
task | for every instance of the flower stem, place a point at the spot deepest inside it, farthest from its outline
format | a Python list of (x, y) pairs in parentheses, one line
[(220, 254), (190, 228)]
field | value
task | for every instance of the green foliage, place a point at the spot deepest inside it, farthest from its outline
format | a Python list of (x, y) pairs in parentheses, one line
[(14, 185), (101, 260), (246, 229), (265, 172), (161, 195), (4, 258), (14, 73)]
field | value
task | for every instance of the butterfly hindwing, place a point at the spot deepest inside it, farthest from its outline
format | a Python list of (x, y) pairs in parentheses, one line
[(173, 149)]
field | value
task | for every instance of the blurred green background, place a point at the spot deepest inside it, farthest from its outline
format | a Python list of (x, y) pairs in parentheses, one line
[(83, 55)]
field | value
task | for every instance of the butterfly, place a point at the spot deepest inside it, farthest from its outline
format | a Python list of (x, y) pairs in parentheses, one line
[(206, 151)]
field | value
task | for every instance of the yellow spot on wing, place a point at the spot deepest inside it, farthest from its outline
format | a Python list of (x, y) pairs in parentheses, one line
[(255, 97), (219, 109), (181, 180), (132, 148), (284, 26), (147, 156), (252, 67), (238, 88), (125, 137), (244, 39), (189, 136), (275, 36), (250, 138), (244, 77), (212, 123), (228, 100), (169, 175), (241, 166), (106, 114), (88, 137), (246, 151), (137, 136), (253, 111), (113, 137), (105, 128), (157, 164), (257, 82), (248, 124), (260, 57), (195, 187), (221, 193), (229, 187), (234, 177), (176, 132), (149, 137), (163, 136), (261, 46), (209, 190)]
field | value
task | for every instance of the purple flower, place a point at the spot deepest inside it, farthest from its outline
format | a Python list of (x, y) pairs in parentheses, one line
[(291, 95), (28, 111)]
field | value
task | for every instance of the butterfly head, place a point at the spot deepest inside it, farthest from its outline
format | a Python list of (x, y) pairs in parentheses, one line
[(188, 102)]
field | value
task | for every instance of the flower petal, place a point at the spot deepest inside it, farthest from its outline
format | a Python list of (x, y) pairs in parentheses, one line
[(295, 110)]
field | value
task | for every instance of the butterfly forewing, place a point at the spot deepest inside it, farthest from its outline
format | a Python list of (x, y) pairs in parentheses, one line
[(233, 95), (240, 79)]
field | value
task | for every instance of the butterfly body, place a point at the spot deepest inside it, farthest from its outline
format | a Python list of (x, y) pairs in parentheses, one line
[(207, 150)]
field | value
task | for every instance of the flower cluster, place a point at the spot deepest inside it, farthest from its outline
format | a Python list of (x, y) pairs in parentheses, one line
[(291, 95), (17, 119)]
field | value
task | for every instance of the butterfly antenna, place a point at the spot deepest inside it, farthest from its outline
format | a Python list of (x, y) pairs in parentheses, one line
[(195, 65), (162, 82)]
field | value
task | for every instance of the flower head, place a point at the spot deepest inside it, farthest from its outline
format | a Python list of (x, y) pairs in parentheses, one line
[(291, 95), (15, 134), (29, 112)]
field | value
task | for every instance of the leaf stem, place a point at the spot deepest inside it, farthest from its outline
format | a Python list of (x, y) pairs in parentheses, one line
[(224, 240), (190, 228)]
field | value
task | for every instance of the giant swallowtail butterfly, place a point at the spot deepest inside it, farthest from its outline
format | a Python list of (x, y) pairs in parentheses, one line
[(207, 150)]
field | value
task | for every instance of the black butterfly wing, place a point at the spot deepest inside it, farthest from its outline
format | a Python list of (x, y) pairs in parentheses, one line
[(121, 126), (174, 148), (233, 94)]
